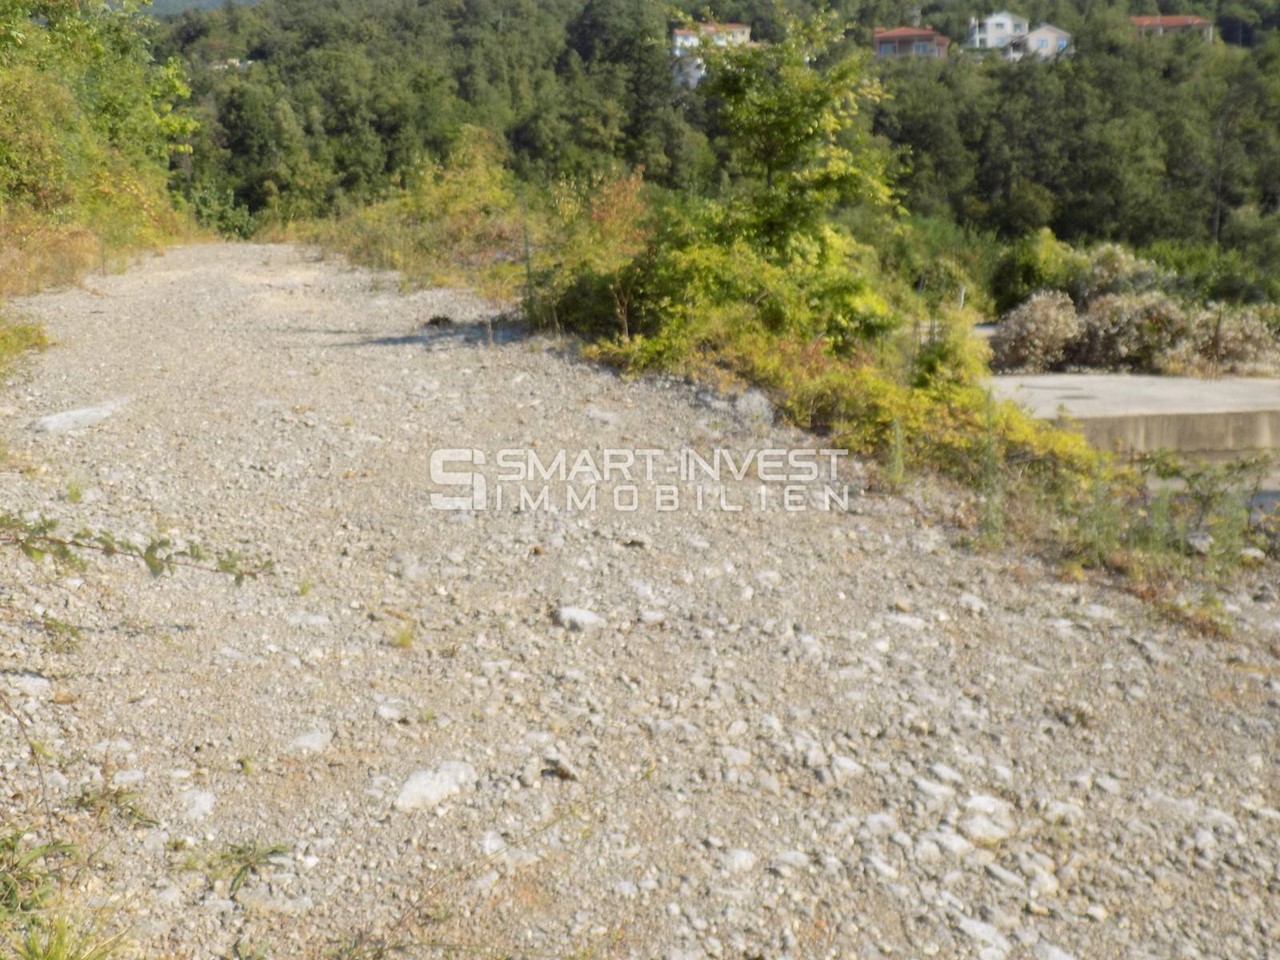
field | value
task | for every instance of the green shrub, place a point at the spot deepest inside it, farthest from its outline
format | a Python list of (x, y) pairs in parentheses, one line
[(1203, 272), (18, 338), (217, 209), (1038, 262)]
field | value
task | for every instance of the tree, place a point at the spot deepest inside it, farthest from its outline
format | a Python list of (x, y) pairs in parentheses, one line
[(788, 114)]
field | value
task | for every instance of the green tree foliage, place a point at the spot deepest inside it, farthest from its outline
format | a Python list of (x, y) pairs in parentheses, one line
[(88, 121), (1162, 140), (764, 258), (787, 112)]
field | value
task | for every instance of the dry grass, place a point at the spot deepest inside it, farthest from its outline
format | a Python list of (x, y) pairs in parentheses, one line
[(34, 255)]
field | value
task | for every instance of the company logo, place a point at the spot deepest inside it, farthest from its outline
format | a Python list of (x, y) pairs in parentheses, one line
[(631, 479)]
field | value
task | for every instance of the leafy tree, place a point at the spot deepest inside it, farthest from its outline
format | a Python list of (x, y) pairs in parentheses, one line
[(787, 112)]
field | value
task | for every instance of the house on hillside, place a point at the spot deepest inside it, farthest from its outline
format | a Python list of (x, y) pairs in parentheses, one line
[(1045, 41), (996, 31), (685, 42), (909, 42), (1166, 25), (1010, 34)]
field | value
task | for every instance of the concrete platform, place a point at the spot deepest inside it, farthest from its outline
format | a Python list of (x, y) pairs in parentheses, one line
[(1208, 418)]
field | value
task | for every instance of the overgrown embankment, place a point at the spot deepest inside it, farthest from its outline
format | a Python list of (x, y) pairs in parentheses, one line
[(86, 129), (771, 282)]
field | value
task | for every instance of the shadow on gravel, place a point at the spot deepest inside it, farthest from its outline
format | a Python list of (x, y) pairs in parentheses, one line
[(448, 335)]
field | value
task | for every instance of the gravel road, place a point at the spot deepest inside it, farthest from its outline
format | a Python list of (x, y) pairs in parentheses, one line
[(773, 716)]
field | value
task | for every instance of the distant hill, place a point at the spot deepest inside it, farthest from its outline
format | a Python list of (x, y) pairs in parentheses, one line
[(164, 8)]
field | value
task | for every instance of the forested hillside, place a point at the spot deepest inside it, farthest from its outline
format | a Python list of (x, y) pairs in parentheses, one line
[(309, 107), (1150, 143)]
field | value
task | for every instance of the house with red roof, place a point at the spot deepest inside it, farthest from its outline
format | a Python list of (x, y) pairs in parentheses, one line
[(1165, 25), (909, 42)]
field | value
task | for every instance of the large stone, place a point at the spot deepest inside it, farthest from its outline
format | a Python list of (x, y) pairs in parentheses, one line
[(427, 789), (69, 420)]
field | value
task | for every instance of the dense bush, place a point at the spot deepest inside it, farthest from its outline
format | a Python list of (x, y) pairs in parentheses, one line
[(1141, 333), (1034, 337), (1038, 262), (1111, 269), (1130, 332), (87, 124), (1227, 339)]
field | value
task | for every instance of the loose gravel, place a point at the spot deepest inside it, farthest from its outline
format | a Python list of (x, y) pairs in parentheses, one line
[(545, 729)]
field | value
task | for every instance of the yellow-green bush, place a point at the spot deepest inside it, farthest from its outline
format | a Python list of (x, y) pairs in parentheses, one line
[(457, 221), (87, 123)]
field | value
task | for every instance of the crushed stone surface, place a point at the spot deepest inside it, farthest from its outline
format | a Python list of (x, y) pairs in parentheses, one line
[(553, 729)]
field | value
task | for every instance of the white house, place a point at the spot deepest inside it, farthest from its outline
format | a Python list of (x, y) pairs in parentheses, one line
[(996, 31), (1045, 41), (686, 41)]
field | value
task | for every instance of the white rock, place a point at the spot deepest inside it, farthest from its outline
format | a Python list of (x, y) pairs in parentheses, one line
[(736, 756), (307, 620), (933, 789), (31, 685), (393, 711), (844, 769), (983, 933), (881, 824), (1063, 813), (739, 861), (427, 789), (755, 408), (199, 803), (311, 742), (984, 831), (945, 773), (603, 416), (70, 420), (578, 619)]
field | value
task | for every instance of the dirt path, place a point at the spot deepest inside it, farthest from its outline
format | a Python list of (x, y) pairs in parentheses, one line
[(682, 730)]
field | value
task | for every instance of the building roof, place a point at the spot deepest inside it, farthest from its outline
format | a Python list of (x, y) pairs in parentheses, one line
[(908, 33), (1050, 28), (1170, 21)]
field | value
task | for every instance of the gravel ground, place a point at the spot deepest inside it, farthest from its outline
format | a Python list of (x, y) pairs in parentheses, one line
[(536, 731)]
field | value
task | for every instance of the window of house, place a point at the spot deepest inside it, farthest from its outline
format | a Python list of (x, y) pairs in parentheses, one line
[(925, 48), (1042, 44), (999, 25), (888, 49), (1062, 44)]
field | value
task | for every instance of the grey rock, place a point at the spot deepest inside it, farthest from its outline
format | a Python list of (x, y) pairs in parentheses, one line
[(198, 804)]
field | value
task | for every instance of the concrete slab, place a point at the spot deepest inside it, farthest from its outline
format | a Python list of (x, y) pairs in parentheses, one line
[(1145, 413)]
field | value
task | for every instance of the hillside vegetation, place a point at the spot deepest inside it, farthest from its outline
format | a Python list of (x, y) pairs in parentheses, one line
[(806, 219), (87, 126)]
